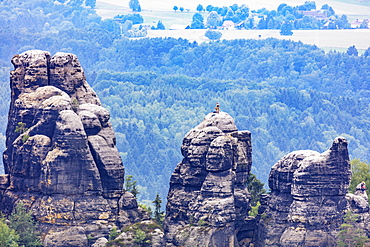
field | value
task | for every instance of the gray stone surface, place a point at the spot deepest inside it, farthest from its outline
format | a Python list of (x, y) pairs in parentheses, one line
[(307, 200), (208, 201), (101, 242), (63, 163)]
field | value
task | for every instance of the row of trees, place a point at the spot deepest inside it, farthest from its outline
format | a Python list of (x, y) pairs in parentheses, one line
[(274, 19)]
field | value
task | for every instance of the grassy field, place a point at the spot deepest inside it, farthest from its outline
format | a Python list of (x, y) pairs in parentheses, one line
[(327, 39)]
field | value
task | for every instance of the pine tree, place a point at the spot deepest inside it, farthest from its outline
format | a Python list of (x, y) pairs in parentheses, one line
[(160, 26), (349, 235), (131, 185), (22, 222), (158, 214)]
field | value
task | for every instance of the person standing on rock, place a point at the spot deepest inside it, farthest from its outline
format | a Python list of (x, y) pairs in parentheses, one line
[(217, 108), (362, 187)]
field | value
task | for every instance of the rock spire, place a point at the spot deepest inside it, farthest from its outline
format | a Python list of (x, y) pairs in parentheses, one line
[(208, 200), (307, 202), (61, 158)]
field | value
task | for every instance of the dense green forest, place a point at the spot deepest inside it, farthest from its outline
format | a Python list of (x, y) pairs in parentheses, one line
[(290, 95)]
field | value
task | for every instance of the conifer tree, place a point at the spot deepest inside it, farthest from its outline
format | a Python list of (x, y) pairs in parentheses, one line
[(22, 222), (158, 214), (131, 185), (350, 235)]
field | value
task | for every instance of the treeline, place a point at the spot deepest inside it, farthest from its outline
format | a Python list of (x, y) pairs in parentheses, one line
[(306, 16), (289, 95)]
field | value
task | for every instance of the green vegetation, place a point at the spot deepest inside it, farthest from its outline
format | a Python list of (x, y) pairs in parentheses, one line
[(75, 105), (8, 236), (20, 229), (141, 235), (135, 5), (21, 128), (289, 95), (131, 186), (113, 233), (213, 35), (158, 214), (286, 28), (24, 225), (254, 209), (148, 209), (255, 188), (285, 17), (360, 172), (350, 235)]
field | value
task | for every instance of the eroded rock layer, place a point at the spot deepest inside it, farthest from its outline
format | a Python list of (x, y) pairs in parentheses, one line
[(60, 156), (307, 202), (208, 201)]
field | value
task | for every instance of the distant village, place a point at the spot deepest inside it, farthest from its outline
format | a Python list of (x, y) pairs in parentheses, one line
[(239, 17)]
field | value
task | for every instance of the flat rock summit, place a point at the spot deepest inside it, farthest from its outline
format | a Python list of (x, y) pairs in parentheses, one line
[(61, 161)]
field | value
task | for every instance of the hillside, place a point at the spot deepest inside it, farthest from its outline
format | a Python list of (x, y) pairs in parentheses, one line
[(290, 95)]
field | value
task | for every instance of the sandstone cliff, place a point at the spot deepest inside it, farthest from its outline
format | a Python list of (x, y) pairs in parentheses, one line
[(60, 156), (208, 201), (307, 202)]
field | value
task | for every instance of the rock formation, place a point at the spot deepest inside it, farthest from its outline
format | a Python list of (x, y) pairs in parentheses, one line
[(208, 201), (307, 202), (60, 157), (359, 205)]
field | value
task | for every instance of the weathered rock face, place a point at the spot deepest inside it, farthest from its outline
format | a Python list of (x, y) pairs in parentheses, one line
[(60, 156), (308, 198), (359, 205), (208, 201)]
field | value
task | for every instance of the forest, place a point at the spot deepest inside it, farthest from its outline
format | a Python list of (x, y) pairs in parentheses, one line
[(290, 95)]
